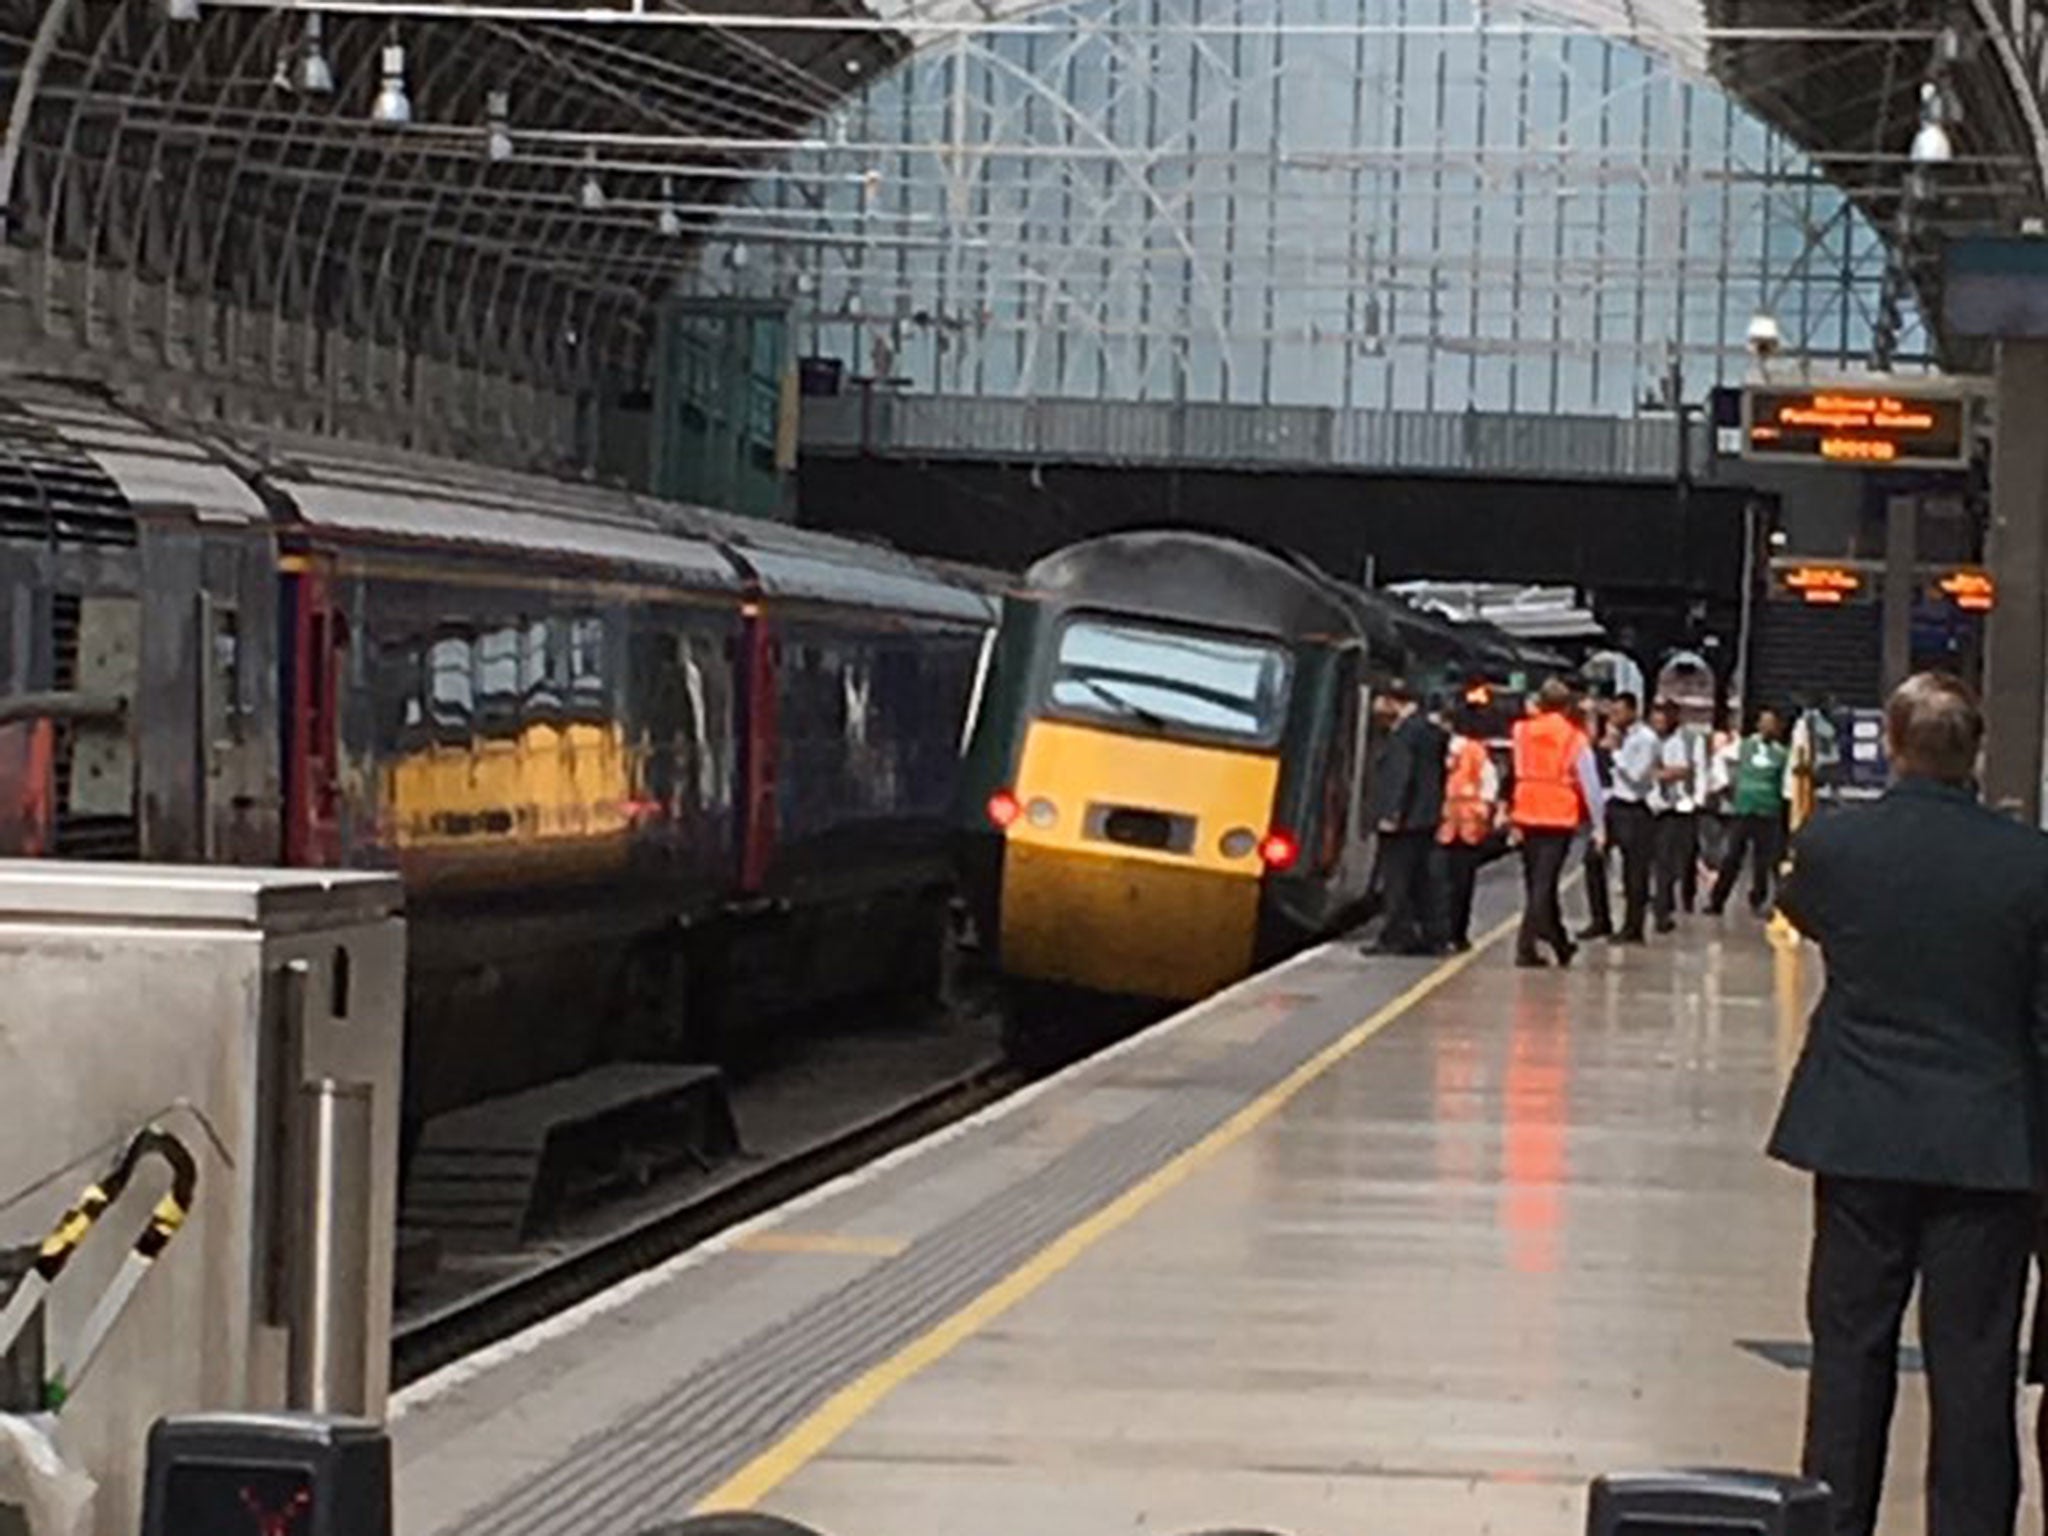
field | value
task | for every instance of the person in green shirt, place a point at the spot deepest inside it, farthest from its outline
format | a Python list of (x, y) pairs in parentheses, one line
[(1756, 815)]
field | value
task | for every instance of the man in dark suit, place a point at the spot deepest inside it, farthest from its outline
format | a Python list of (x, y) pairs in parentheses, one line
[(1917, 1105), (1408, 805)]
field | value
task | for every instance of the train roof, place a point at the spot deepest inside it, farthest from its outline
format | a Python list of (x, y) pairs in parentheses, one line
[(1205, 578), (71, 442), (336, 492), (1186, 574)]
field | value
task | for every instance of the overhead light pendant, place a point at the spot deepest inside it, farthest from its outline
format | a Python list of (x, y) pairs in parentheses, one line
[(1932, 145), (591, 194), (669, 221), (392, 105), (316, 75), (498, 136), (181, 10)]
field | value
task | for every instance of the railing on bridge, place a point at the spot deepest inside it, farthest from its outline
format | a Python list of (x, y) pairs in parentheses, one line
[(1245, 436)]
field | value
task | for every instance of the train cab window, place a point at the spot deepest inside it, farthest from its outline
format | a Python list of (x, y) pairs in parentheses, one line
[(1171, 680)]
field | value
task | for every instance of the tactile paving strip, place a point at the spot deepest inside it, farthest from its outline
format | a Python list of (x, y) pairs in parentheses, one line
[(654, 1463)]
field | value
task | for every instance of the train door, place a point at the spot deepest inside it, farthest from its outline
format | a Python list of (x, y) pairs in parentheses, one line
[(208, 708), (1374, 730), (1346, 854), (314, 640), (1362, 842)]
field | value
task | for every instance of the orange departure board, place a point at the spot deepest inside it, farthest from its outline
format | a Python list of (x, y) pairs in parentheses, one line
[(1971, 591), (1823, 586), (1856, 426)]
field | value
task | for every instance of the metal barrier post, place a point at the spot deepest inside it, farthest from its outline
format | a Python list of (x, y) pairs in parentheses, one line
[(329, 1360)]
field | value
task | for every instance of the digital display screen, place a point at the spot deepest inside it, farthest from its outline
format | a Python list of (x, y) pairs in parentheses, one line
[(1969, 591), (207, 1499), (1856, 426), (1823, 586)]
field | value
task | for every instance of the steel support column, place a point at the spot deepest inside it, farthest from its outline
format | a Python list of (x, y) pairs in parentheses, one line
[(2016, 660), (1901, 553)]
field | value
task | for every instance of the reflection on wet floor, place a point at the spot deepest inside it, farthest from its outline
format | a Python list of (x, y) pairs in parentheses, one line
[(1512, 1242)]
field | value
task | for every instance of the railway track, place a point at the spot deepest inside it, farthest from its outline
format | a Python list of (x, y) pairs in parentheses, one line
[(439, 1337)]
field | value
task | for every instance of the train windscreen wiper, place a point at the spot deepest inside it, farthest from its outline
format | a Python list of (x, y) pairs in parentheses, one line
[(1124, 706)]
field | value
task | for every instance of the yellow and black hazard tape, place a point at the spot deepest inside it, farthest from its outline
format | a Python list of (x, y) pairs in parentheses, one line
[(71, 1231), (76, 1225)]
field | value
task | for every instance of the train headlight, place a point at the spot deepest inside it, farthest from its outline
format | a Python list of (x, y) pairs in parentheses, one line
[(1239, 843), (1041, 812)]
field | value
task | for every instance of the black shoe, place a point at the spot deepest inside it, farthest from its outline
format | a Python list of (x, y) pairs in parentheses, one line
[(1594, 931), (1714, 911), (1531, 962), (1626, 937), (1762, 913), (1667, 925)]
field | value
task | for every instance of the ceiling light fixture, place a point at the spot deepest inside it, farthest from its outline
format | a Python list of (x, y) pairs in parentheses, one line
[(392, 105)]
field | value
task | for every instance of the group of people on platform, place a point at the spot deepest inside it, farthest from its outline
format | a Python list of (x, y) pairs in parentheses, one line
[(1656, 798), (1919, 1104)]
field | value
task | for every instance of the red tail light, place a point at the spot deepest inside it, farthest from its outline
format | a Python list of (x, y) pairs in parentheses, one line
[(1278, 851), (1003, 809)]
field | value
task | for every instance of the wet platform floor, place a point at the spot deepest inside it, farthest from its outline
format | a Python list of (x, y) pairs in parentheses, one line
[(1366, 1244)]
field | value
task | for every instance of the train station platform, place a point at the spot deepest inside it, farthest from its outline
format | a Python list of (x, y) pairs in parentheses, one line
[(1363, 1244)]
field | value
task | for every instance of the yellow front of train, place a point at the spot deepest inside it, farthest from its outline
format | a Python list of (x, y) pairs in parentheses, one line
[(1138, 823)]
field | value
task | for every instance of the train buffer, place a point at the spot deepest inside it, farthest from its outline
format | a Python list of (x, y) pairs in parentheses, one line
[(495, 1174)]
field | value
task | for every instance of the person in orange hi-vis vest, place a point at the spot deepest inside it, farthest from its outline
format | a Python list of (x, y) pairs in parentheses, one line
[(1475, 811), (1556, 792)]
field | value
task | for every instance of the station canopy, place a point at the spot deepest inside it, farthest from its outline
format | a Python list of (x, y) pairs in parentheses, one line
[(556, 164)]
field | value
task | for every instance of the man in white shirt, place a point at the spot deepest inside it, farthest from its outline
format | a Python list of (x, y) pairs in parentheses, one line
[(1629, 828), (1674, 802)]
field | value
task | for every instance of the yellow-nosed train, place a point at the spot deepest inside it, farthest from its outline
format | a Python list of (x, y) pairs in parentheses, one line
[(1171, 757)]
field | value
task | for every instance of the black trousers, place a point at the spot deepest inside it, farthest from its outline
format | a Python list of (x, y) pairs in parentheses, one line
[(1462, 863), (1970, 1251), (1406, 859), (1543, 856), (1763, 839), (1677, 861), (1632, 835), (1713, 837)]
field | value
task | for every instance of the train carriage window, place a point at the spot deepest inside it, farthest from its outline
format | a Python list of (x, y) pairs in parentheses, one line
[(586, 666), (1170, 680), (542, 666), (497, 679), (451, 684), (397, 668)]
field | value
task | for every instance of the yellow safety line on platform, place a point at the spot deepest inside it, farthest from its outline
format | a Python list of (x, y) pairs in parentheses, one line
[(822, 1242), (846, 1407)]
